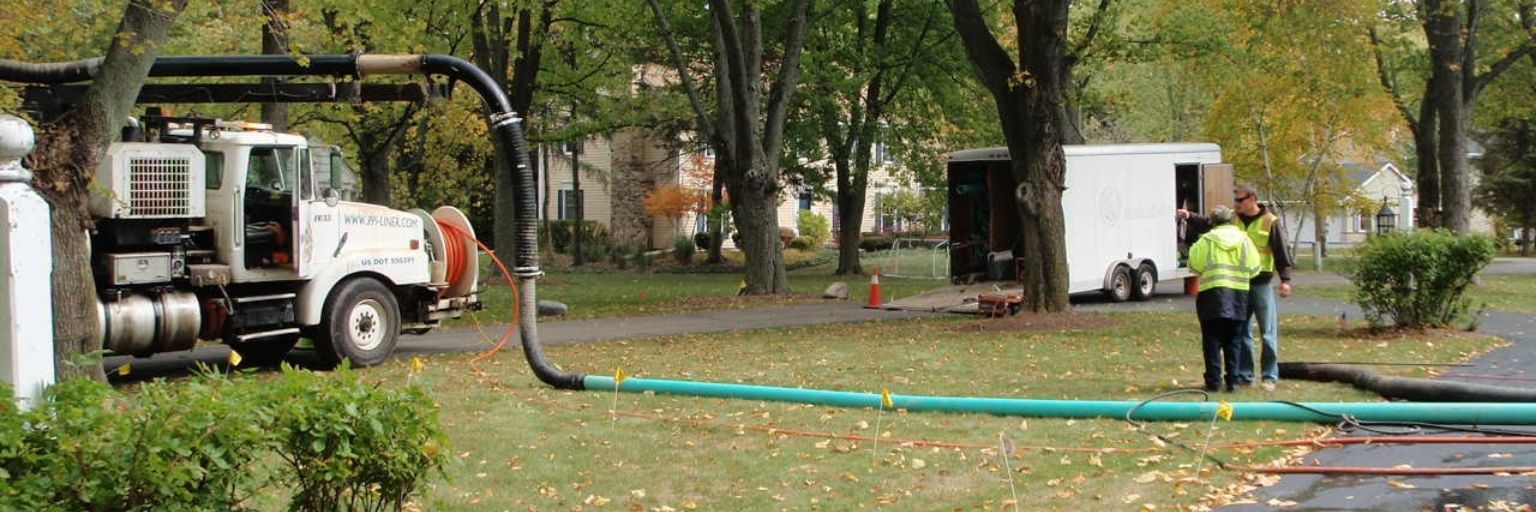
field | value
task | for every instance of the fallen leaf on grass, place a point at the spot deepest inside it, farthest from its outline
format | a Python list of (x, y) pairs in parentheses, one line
[(1401, 484)]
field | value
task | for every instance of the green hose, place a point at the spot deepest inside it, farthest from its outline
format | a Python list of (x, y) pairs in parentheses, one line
[(1427, 412)]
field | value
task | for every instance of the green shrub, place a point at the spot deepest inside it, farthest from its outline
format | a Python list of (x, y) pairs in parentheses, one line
[(558, 232), (1418, 278), (618, 256), (802, 243), (871, 242), (213, 443), (186, 446), (814, 227), (346, 441), (682, 249)]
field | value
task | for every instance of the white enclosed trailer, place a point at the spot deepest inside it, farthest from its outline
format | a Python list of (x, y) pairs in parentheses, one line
[(1121, 233)]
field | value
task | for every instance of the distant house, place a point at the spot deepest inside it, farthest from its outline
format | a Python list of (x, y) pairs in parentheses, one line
[(1376, 183), (617, 172)]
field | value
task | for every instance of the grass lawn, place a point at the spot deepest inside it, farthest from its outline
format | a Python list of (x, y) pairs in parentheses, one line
[(1502, 292), (632, 293), (520, 445)]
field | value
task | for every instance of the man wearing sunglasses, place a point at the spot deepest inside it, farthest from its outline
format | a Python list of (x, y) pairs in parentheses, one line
[(1264, 228)]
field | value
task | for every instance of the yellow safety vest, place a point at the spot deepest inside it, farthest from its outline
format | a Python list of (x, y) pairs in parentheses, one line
[(1224, 268), (1258, 231)]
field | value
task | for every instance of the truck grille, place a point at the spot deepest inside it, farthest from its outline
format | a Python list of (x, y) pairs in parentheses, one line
[(159, 187)]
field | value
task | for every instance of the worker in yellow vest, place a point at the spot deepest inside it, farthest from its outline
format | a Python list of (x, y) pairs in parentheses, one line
[(1226, 260), (1264, 229)]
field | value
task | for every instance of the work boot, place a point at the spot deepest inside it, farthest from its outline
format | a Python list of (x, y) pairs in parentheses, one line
[(1268, 385)]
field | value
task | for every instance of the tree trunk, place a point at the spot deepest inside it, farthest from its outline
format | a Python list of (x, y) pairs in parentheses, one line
[(376, 186), (758, 222), (68, 152), (850, 217), (1526, 236), (1030, 110), (717, 223), (1443, 27), (1428, 174), (1319, 238), (74, 290), (274, 41)]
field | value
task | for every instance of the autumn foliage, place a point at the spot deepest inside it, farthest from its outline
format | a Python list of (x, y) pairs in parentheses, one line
[(673, 201)]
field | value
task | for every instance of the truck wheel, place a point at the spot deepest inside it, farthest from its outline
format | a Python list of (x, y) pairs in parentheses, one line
[(264, 353), (360, 323), (1146, 282), (1119, 284)]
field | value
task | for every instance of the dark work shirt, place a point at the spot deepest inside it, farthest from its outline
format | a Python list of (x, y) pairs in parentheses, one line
[(1198, 225)]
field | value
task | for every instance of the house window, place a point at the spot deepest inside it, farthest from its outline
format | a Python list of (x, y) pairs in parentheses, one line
[(708, 151), (886, 221), (571, 147), (1361, 223), (805, 200), (570, 204), (883, 154)]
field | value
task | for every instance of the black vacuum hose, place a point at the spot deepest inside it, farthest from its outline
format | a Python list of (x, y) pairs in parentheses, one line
[(1404, 388), (505, 128)]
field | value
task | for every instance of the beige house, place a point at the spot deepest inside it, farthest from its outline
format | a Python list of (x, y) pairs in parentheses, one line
[(618, 171)]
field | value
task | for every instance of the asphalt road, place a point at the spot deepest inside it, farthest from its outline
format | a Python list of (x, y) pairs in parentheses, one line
[(1513, 365)]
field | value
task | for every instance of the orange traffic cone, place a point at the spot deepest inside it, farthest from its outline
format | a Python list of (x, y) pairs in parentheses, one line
[(874, 289)]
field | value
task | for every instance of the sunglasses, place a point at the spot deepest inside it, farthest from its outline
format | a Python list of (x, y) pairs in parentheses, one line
[(1241, 198)]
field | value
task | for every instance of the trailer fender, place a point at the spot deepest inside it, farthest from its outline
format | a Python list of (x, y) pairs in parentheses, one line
[(1109, 271)]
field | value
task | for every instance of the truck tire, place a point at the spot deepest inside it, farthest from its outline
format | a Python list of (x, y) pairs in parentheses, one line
[(1120, 284), (1146, 282), (264, 353), (360, 323)]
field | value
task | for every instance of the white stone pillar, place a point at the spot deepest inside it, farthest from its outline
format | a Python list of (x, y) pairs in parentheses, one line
[(26, 264)]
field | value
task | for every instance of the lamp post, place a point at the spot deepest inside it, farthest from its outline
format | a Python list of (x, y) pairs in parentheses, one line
[(1386, 219)]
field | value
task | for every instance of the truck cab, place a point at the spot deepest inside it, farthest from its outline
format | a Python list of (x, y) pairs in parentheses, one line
[(232, 232)]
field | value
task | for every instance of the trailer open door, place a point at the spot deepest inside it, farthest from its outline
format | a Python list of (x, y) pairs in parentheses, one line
[(1216, 181)]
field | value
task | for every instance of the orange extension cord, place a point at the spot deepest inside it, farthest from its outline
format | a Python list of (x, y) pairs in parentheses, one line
[(459, 235)]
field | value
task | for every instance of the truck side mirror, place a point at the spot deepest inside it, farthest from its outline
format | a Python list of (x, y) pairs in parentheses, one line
[(332, 196)]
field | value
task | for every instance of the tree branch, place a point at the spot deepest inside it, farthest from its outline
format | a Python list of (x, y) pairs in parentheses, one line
[(1093, 28), (701, 115), (789, 77), (994, 65), (1389, 85)]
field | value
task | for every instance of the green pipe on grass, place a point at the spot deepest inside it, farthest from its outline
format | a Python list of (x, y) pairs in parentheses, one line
[(1469, 413)]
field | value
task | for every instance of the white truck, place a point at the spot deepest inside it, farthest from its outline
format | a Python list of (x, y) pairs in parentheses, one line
[(231, 232), (1122, 236)]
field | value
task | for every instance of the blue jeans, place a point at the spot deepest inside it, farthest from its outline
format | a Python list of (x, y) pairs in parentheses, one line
[(1261, 304)]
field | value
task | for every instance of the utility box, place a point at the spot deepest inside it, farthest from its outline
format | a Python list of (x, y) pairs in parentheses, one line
[(26, 258)]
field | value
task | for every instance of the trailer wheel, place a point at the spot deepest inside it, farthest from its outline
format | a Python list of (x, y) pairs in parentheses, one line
[(264, 353), (1119, 284), (360, 323), (1146, 282)]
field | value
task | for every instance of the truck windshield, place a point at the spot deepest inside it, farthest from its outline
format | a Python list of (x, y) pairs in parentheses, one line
[(272, 169)]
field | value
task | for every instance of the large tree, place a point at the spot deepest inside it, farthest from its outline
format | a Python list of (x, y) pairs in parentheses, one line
[(1028, 94), (1458, 32), (750, 128), (861, 62), (65, 160)]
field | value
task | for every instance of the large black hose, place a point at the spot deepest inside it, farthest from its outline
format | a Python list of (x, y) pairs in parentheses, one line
[(505, 128), (1405, 388), (508, 131)]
